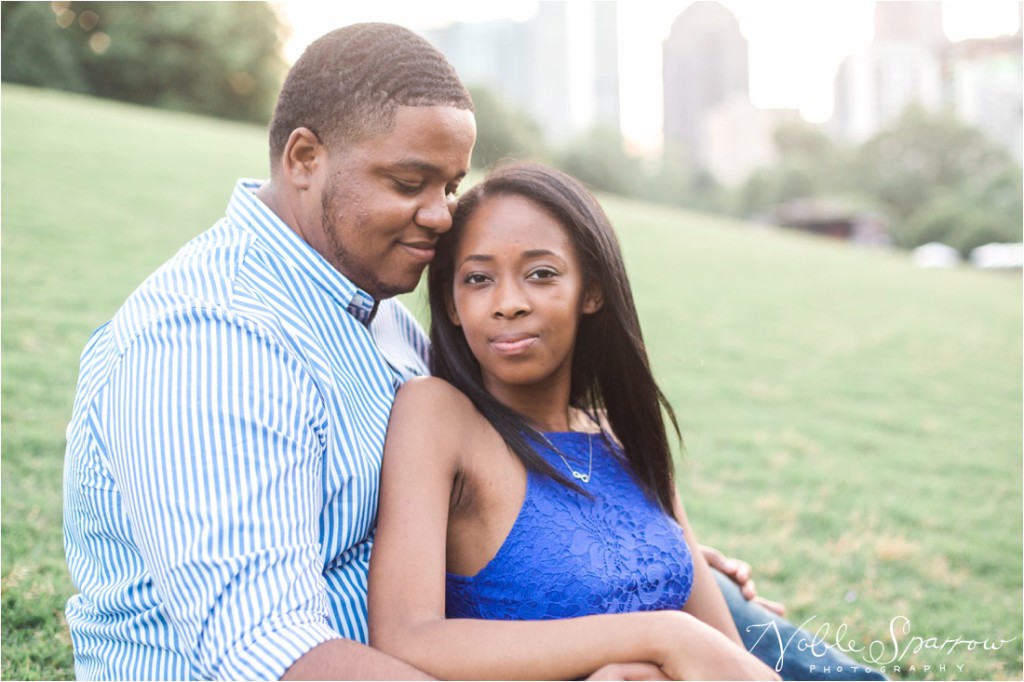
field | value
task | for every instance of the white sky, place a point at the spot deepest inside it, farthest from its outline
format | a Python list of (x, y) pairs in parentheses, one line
[(796, 46)]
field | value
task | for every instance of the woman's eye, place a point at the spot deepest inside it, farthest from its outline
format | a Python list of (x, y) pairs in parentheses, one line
[(543, 273), (474, 278)]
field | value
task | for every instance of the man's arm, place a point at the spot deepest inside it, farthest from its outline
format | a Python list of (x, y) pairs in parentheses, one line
[(343, 659), (213, 431)]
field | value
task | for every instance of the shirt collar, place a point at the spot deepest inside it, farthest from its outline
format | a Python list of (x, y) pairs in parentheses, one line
[(250, 213)]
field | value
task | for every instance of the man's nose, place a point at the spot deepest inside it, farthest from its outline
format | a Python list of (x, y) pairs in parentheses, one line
[(436, 214)]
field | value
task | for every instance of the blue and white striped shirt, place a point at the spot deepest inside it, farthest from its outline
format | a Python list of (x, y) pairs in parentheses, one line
[(223, 456)]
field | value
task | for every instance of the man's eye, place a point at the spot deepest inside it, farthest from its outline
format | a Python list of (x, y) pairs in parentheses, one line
[(407, 187)]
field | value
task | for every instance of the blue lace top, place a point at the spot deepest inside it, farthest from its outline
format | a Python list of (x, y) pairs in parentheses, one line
[(568, 555)]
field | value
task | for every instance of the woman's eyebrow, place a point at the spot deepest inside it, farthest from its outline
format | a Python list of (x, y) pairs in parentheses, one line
[(527, 255), (477, 258)]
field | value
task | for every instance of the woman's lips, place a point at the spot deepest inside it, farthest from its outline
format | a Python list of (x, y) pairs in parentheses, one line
[(513, 344)]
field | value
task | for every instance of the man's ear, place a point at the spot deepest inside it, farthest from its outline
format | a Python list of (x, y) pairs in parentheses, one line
[(302, 155), (593, 299)]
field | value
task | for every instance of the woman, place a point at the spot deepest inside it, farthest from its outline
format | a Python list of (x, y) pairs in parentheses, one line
[(529, 525)]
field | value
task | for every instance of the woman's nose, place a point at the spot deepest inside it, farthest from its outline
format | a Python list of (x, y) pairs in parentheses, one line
[(511, 302)]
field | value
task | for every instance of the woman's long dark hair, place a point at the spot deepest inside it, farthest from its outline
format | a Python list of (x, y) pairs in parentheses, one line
[(610, 369)]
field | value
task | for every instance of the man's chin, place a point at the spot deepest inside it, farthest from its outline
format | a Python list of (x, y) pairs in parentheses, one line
[(392, 289)]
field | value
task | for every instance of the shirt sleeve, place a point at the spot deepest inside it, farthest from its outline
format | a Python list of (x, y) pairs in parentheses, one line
[(215, 433)]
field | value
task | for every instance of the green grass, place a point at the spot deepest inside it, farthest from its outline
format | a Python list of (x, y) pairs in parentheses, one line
[(852, 424)]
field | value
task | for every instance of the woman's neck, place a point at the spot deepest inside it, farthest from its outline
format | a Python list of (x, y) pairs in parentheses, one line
[(546, 408)]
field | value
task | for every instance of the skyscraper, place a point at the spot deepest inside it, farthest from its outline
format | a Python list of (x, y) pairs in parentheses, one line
[(705, 62), (566, 81), (902, 65), (909, 21), (606, 59), (983, 82)]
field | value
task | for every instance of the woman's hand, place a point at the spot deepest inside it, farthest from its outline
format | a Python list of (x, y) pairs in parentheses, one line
[(692, 650), (630, 671)]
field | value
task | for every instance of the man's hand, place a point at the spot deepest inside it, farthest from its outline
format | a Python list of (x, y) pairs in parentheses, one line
[(739, 572)]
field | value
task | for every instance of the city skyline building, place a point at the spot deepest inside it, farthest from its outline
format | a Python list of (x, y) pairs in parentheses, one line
[(704, 64), (740, 138), (902, 65), (559, 67), (793, 55), (909, 21), (984, 80), (910, 60)]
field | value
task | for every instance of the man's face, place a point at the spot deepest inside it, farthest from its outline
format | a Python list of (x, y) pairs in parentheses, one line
[(386, 199)]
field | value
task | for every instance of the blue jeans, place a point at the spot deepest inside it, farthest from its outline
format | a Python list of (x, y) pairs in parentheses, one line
[(793, 653)]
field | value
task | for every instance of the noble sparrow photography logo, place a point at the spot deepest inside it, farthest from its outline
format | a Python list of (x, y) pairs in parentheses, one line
[(887, 656)]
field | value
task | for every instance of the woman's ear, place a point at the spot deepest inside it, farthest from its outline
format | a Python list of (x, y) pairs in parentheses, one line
[(302, 156), (593, 299), (453, 314)]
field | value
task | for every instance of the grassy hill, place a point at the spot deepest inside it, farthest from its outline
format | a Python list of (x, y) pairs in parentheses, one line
[(852, 424)]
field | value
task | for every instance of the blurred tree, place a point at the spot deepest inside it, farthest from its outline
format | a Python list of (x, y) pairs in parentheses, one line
[(935, 178), (678, 179), (927, 153), (797, 138), (943, 181), (972, 215), (503, 131), (667, 180), (792, 178), (216, 58), (33, 50), (599, 159), (979, 227), (810, 165), (933, 222)]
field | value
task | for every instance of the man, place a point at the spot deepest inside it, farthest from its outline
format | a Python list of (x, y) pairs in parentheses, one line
[(224, 448)]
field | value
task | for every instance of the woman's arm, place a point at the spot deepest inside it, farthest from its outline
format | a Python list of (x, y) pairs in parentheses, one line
[(706, 601), (432, 427)]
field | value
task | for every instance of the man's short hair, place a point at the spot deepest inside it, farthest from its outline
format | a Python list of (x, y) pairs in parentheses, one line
[(347, 85)]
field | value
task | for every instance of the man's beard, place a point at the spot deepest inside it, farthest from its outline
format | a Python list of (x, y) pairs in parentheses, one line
[(343, 261)]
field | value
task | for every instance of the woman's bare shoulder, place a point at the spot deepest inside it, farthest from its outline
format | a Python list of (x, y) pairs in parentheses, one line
[(428, 389), (432, 421), (433, 401)]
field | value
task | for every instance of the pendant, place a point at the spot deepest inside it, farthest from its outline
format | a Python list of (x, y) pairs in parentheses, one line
[(583, 477)]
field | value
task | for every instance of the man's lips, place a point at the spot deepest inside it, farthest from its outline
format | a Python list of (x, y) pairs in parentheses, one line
[(423, 251), (512, 344)]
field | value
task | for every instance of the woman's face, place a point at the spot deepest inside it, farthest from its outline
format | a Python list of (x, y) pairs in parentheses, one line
[(518, 295)]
